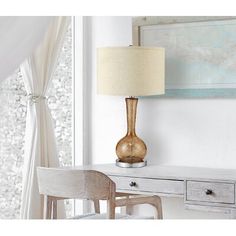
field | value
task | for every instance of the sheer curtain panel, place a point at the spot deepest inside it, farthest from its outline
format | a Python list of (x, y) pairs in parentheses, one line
[(40, 144), (19, 36)]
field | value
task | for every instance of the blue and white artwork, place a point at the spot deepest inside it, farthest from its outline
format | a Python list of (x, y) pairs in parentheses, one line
[(200, 57)]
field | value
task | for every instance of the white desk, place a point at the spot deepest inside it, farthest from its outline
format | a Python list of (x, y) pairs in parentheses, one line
[(202, 188)]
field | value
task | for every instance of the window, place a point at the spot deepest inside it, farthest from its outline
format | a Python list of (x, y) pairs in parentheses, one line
[(13, 101), (12, 130)]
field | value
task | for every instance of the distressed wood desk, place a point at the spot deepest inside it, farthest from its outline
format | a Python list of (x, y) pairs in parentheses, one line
[(204, 189)]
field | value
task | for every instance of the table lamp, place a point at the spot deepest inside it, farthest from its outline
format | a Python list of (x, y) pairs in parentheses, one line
[(131, 71)]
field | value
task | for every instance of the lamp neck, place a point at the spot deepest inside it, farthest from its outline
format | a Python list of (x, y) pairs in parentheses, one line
[(131, 109)]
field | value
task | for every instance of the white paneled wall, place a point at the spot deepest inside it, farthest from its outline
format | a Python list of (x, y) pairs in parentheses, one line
[(193, 132)]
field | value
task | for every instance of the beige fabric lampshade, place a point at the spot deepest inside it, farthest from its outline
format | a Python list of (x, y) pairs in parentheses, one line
[(131, 71)]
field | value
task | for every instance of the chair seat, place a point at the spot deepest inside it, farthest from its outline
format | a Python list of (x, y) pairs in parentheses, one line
[(104, 216)]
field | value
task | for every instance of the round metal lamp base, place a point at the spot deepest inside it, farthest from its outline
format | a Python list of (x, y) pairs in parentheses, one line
[(131, 165)]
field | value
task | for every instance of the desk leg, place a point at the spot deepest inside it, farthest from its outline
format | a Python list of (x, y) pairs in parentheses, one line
[(233, 214)]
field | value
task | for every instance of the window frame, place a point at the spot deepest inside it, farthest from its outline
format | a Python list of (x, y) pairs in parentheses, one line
[(80, 110)]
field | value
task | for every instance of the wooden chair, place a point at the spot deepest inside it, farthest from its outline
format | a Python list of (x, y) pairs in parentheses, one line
[(58, 184)]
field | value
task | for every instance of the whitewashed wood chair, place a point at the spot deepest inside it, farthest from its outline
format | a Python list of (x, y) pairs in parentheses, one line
[(58, 184)]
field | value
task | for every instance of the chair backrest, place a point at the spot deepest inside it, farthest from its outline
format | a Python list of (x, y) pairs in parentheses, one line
[(71, 183)]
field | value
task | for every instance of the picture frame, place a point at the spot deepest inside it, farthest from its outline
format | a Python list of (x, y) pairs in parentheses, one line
[(200, 59)]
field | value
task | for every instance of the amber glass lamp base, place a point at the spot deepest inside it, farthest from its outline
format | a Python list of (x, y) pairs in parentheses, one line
[(131, 150)]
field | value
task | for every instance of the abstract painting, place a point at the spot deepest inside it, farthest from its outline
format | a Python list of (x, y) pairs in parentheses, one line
[(200, 57)]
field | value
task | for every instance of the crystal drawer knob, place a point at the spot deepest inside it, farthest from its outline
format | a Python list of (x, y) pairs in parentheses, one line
[(132, 184)]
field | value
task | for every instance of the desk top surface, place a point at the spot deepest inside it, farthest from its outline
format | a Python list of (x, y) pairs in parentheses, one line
[(165, 172)]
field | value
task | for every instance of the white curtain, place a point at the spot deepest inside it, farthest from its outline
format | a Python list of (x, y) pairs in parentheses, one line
[(40, 146), (19, 36)]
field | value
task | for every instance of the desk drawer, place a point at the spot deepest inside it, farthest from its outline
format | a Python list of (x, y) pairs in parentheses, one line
[(210, 192), (149, 185)]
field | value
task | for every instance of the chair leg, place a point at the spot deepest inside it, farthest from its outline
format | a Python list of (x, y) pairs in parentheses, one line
[(111, 209), (54, 212), (129, 208), (47, 207), (96, 206)]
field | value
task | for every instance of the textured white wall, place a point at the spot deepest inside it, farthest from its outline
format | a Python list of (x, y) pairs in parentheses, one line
[(193, 132)]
